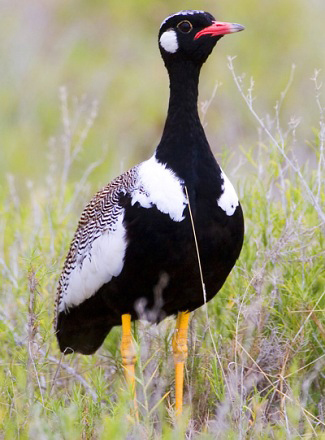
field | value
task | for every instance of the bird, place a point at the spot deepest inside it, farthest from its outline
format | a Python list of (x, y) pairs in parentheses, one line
[(160, 239)]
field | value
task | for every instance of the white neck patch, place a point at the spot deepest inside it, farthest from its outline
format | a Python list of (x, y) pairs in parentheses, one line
[(168, 41)]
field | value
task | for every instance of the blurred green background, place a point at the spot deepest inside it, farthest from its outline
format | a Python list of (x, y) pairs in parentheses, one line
[(107, 51), (61, 62)]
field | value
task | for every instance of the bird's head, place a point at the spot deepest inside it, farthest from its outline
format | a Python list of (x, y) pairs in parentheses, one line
[(191, 35)]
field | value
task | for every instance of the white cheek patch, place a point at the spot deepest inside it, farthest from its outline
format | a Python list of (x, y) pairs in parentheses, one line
[(228, 201), (160, 187), (168, 41)]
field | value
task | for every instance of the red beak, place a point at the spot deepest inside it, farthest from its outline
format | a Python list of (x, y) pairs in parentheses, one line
[(219, 28)]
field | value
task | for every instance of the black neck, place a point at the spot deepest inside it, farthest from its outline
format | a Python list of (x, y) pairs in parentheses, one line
[(183, 138)]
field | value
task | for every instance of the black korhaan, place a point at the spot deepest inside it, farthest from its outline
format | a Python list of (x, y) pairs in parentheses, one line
[(134, 249)]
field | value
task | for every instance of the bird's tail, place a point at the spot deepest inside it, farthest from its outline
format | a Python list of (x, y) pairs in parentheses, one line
[(79, 330)]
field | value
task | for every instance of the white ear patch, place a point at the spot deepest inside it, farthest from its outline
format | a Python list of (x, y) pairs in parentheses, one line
[(168, 41)]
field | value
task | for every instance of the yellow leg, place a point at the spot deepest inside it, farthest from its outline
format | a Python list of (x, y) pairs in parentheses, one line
[(180, 355), (128, 355)]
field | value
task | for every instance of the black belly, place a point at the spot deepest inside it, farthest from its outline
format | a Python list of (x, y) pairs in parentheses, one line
[(161, 275)]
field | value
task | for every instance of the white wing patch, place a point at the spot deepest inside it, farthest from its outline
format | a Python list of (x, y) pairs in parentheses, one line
[(228, 201), (98, 248), (160, 187), (104, 261), (168, 41)]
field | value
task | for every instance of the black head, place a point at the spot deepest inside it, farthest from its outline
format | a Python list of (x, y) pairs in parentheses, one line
[(191, 35)]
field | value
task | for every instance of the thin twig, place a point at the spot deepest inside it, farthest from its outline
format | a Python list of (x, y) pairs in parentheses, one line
[(305, 411), (295, 167), (321, 161), (307, 319), (71, 372), (203, 290)]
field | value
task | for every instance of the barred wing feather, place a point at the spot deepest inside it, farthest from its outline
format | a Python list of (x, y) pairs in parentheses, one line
[(98, 248)]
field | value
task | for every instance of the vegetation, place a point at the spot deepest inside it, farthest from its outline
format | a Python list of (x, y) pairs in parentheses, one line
[(257, 351)]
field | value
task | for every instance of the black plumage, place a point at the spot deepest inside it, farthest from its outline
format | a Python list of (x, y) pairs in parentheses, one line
[(158, 274)]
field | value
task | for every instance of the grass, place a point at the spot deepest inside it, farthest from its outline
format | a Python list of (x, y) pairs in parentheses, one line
[(257, 351), (256, 365)]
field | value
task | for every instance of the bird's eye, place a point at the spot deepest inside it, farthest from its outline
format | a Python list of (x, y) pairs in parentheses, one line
[(185, 26)]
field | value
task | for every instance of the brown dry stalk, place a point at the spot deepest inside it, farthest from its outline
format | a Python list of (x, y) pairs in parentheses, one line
[(31, 333), (318, 324)]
